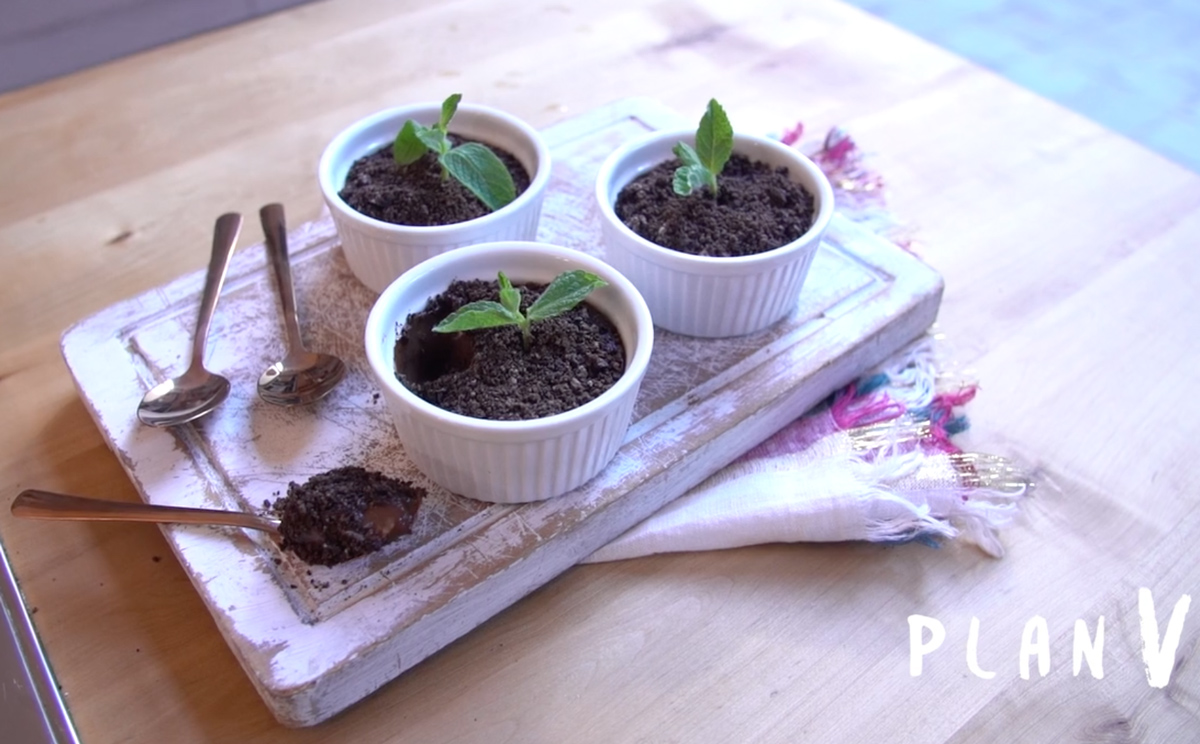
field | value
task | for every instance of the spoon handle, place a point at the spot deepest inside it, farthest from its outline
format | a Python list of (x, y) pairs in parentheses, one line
[(36, 504), (225, 235), (274, 226)]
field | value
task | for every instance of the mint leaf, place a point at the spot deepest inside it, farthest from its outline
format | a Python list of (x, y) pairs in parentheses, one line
[(482, 172), (481, 314), (689, 179), (433, 138), (687, 154), (714, 139), (703, 163), (509, 297), (408, 148), (566, 291), (449, 107), (473, 165), (692, 174)]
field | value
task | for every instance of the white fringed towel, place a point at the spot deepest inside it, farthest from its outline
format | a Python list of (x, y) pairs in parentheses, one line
[(894, 477)]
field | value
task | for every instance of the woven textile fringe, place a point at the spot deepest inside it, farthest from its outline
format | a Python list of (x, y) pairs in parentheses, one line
[(859, 190), (876, 463)]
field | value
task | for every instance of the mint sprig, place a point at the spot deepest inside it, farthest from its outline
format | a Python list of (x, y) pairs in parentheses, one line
[(704, 162), (566, 291), (472, 164)]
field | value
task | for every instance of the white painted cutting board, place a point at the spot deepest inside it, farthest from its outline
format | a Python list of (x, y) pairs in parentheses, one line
[(315, 641)]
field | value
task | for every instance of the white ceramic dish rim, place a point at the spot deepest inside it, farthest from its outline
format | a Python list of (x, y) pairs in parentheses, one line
[(337, 151), (384, 311), (656, 147)]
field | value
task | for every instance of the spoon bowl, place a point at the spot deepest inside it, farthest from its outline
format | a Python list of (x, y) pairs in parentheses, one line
[(302, 376), (197, 391), (184, 398)]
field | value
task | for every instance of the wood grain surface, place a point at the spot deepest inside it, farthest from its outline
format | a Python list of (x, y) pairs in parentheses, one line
[(1071, 269)]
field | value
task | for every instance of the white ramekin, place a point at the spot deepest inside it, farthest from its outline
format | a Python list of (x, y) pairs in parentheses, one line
[(510, 461), (705, 295), (378, 251)]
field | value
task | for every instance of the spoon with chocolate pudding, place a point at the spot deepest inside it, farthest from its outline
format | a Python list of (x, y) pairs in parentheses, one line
[(334, 517)]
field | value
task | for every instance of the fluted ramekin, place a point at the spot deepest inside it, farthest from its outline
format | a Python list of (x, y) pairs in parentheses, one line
[(510, 461), (705, 295), (379, 251)]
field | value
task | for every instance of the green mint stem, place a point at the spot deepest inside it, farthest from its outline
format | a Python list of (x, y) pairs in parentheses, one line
[(701, 164), (472, 164), (566, 291)]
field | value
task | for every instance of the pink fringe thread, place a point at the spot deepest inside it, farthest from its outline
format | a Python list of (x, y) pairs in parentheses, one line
[(850, 411), (941, 410), (792, 135), (858, 189)]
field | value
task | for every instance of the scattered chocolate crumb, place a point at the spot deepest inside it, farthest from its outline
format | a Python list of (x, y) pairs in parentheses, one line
[(758, 209), (419, 193), (490, 374), (345, 513)]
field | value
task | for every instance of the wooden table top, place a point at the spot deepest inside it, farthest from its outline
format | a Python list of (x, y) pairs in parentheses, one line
[(1071, 269)]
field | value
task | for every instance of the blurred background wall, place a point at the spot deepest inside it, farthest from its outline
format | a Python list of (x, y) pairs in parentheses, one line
[(1131, 65), (42, 39)]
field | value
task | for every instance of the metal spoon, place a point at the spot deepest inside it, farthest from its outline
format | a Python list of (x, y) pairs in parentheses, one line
[(197, 391), (38, 504), (383, 520), (302, 376)]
